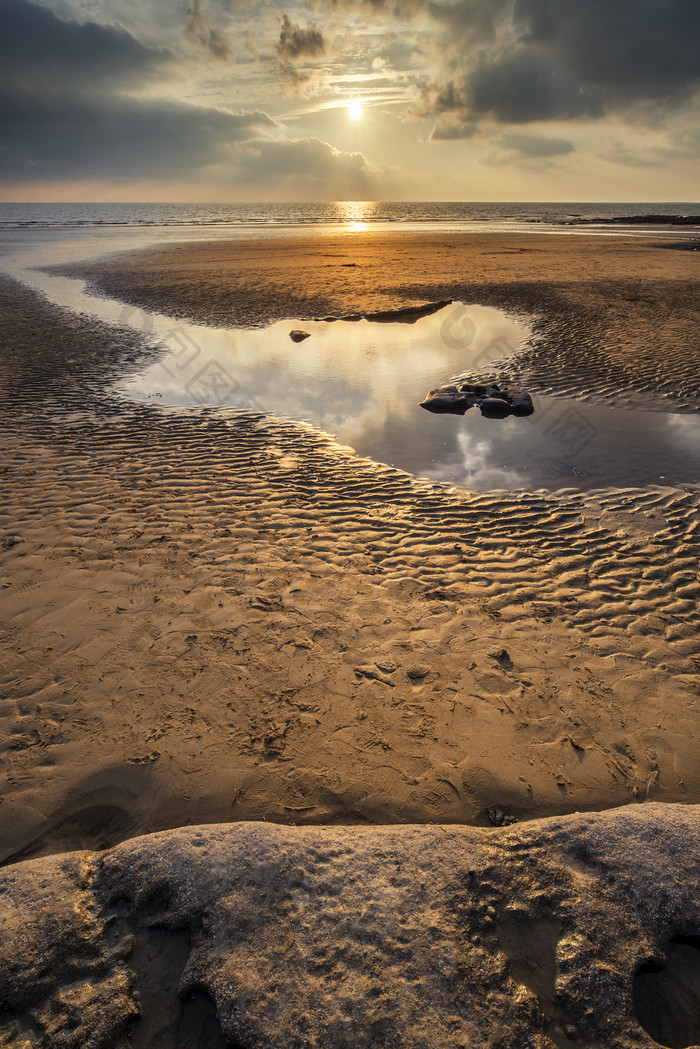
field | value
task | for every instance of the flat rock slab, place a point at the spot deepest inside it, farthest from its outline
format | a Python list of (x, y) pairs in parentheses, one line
[(400, 315), (492, 401), (344, 938)]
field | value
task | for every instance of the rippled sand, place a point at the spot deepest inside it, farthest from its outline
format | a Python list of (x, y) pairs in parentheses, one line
[(618, 316), (219, 616), (224, 616)]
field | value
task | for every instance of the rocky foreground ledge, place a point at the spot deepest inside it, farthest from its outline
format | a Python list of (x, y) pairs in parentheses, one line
[(538, 935)]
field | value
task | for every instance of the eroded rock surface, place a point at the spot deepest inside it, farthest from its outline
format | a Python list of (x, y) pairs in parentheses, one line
[(413, 937)]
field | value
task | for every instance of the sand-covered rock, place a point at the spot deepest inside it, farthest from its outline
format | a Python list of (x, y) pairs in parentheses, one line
[(410, 937)]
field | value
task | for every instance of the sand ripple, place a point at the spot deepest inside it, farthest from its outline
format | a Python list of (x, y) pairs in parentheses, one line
[(221, 616)]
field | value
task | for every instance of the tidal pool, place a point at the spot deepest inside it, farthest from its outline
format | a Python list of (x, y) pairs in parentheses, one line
[(362, 380)]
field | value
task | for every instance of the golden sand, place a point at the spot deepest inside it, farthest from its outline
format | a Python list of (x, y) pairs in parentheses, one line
[(220, 616)]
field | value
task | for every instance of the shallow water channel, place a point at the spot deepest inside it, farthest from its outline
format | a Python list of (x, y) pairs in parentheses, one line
[(362, 380)]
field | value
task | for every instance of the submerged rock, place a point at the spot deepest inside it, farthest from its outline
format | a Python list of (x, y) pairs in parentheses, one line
[(494, 402), (297, 335)]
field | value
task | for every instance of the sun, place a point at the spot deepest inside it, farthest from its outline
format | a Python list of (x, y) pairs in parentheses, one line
[(355, 111)]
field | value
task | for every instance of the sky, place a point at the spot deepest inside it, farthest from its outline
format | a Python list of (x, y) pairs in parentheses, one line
[(250, 100)]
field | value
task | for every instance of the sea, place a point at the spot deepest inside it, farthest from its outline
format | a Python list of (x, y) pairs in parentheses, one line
[(47, 233), (456, 215)]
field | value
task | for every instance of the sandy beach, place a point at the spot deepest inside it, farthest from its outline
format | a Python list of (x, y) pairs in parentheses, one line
[(215, 616), (220, 616), (617, 316)]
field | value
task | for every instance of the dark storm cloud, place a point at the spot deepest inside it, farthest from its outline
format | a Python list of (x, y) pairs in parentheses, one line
[(516, 89), (40, 51), (651, 45), (526, 87), (68, 107), (296, 42), (562, 59), (115, 137)]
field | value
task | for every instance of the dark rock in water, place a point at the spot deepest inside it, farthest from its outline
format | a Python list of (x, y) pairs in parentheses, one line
[(447, 400), (493, 402), (520, 402), (297, 335), (407, 314), (494, 407), (402, 315)]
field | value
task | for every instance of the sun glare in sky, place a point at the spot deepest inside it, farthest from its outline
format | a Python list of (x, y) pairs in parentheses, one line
[(433, 100)]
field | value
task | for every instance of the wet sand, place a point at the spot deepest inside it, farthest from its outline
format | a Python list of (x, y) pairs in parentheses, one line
[(218, 616), (617, 316)]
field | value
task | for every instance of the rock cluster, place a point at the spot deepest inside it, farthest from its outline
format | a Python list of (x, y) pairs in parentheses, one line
[(493, 402)]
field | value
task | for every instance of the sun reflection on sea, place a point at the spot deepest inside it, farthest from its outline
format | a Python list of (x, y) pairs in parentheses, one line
[(355, 213)]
